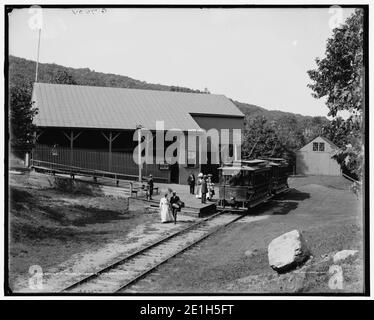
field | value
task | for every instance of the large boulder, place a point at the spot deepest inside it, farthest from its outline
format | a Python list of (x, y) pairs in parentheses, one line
[(287, 251)]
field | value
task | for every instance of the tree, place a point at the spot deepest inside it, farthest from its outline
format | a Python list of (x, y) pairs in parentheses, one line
[(289, 132), (60, 76), (22, 113), (339, 78), (337, 131), (313, 127), (341, 132), (259, 139)]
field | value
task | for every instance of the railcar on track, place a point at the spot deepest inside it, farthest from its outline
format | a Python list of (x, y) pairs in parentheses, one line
[(247, 183), (279, 175)]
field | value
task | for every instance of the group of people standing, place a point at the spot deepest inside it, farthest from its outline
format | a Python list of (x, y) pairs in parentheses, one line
[(205, 186), (169, 207)]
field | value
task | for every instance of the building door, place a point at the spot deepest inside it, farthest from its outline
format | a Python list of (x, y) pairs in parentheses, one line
[(210, 168), (174, 173)]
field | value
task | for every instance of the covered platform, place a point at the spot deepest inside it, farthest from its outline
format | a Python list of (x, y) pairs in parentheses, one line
[(193, 205)]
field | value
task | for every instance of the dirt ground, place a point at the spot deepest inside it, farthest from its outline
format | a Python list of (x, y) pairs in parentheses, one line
[(70, 234), (235, 260)]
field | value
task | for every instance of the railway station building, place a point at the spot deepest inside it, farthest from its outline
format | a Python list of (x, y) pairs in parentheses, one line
[(95, 128)]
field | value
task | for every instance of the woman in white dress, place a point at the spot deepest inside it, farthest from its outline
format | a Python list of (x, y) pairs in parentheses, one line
[(165, 212), (199, 180)]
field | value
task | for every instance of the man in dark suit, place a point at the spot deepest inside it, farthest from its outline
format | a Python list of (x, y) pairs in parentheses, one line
[(175, 206), (204, 190), (191, 182), (150, 186)]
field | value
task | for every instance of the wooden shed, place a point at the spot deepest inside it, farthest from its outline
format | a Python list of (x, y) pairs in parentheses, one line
[(315, 158)]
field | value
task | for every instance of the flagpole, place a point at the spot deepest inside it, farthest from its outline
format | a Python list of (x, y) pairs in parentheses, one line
[(37, 58)]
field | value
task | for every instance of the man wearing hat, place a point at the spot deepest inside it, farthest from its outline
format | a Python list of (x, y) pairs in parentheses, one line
[(174, 203), (191, 182), (204, 189), (150, 186)]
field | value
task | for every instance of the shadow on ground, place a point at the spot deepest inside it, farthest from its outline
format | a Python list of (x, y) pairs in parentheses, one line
[(281, 204), (285, 207), (294, 195)]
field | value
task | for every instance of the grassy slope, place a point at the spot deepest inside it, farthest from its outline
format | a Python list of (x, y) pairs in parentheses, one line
[(47, 226)]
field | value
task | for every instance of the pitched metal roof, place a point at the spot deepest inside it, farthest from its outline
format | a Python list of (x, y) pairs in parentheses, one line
[(119, 108)]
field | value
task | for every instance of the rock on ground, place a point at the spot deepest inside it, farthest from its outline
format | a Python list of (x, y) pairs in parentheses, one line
[(250, 253), (344, 254), (336, 280), (287, 251)]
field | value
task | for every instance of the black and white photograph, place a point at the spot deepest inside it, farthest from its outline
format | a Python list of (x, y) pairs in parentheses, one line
[(194, 150)]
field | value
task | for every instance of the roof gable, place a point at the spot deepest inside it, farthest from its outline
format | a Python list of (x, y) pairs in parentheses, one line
[(319, 139), (120, 108)]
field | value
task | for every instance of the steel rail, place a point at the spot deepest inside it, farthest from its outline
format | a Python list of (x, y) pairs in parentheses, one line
[(138, 252), (188, 246)]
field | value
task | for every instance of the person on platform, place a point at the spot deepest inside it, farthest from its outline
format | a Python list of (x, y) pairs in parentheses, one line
[(204, 190), (191, 182), (165, 213), (210, 186), (150, 186), (175, 205), (199, 180)]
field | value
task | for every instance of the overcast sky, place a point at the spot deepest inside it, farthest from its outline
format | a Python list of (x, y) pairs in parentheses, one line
[(257, 56)]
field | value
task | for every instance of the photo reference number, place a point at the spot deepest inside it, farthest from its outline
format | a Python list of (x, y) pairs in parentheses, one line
[(193, 309)]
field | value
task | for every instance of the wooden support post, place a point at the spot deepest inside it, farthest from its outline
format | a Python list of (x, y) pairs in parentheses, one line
[(35, 139), (110, 151), (71, 146), (140, 154), (110, 139), (37, 135), (71, 138)]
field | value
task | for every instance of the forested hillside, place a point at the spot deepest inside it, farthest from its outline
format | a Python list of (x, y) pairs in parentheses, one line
[(20, 68), (52, 73), (267, 132), (271, 115)]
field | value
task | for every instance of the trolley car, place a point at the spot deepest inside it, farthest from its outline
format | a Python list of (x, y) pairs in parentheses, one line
[(279, 175), (247, 183), (244, 184)]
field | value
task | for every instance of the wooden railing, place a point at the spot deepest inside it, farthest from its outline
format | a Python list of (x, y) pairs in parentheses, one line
[(121, 164)]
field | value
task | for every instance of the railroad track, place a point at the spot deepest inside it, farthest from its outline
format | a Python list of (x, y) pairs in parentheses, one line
[(126, 272)]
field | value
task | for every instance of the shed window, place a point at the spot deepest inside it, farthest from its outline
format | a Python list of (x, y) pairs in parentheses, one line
[(321, 146), (315, 146)]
